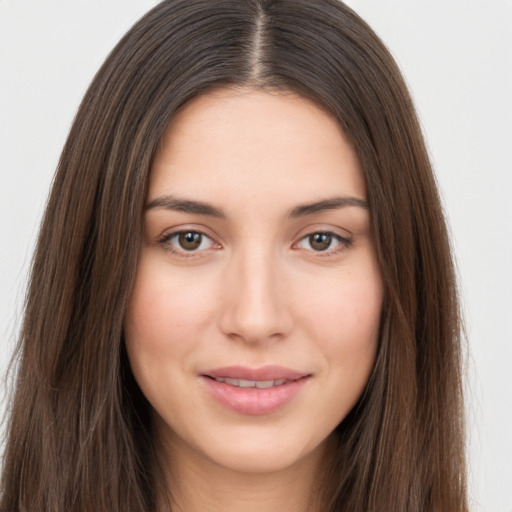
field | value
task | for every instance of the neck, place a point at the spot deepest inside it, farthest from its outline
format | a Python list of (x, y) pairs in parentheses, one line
[(196, 484)]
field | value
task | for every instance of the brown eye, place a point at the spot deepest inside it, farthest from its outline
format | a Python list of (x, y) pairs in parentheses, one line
[(324, 242), (187, 242), (320, 241), (190, 241)]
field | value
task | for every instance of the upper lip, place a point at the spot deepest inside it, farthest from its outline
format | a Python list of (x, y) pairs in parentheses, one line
[(264, 373)]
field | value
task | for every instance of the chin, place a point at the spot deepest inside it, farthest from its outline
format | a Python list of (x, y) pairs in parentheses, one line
[(260, 455)]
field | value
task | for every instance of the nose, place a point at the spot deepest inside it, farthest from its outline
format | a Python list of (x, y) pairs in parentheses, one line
[(256, 308)]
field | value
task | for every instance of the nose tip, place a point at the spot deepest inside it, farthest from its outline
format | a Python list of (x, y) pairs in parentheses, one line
[(256, 309)]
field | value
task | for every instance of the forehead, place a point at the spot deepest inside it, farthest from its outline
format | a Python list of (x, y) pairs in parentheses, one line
[(248, 143)]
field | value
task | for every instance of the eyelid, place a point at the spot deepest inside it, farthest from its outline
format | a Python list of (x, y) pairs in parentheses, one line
[(344, 241), (323, 227), (169, 234)]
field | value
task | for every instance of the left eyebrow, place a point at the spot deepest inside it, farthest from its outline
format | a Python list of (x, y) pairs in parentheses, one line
[(332, 203)]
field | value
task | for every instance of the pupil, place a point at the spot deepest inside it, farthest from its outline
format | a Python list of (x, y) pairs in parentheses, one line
[(320, 241), (190, 241)]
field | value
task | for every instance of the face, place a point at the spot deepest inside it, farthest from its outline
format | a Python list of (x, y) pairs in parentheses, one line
[(253, 324)]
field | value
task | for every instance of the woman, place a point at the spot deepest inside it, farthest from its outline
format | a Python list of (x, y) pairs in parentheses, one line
[(242, 296)]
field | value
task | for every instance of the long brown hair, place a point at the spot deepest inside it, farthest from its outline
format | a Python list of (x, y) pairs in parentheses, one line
[(80, 435)]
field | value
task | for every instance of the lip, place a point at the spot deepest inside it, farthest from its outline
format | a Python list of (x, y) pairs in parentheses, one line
[(254, 401), (262, 373)]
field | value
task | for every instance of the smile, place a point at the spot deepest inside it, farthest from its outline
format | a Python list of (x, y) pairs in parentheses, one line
[(252, 391), (243, 383)]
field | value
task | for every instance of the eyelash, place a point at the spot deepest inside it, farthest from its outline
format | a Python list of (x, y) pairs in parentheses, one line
[(165, 241), (343, 243)]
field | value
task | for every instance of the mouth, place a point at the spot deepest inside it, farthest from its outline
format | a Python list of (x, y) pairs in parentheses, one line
[(254, 391), (277, 374), (243, 383)]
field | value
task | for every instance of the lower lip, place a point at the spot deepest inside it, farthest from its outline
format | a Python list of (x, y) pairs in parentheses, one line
[(254, 401)]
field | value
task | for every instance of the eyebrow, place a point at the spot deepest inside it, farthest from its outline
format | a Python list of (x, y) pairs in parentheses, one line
[(185, 206), (169, 202), (332, 203)]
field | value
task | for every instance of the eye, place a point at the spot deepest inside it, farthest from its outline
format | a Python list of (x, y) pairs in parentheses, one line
[(323, 241), (187, 241)]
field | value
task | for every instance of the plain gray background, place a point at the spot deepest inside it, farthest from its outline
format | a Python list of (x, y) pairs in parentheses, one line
[(457, 58)]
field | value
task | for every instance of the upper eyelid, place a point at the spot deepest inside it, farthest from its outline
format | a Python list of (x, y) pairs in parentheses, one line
[(325, 232), (170, 232), (342, 239), (322, 228)]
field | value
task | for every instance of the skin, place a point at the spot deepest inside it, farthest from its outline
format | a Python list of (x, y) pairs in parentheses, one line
[(257, 291)]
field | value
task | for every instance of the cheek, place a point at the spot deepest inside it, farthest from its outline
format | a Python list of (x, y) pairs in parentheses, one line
[(163, 323), (342, 315), (352, 337), (344, 310), (165, 304)]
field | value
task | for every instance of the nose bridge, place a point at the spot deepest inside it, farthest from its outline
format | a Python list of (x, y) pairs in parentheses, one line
[(256, 309)]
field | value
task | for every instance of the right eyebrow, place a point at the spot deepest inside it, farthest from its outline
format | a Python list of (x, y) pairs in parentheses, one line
[(169, 202)]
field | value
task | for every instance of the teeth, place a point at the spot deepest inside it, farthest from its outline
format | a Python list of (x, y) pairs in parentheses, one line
[(247, 383), (264, 384), (243, 383)]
